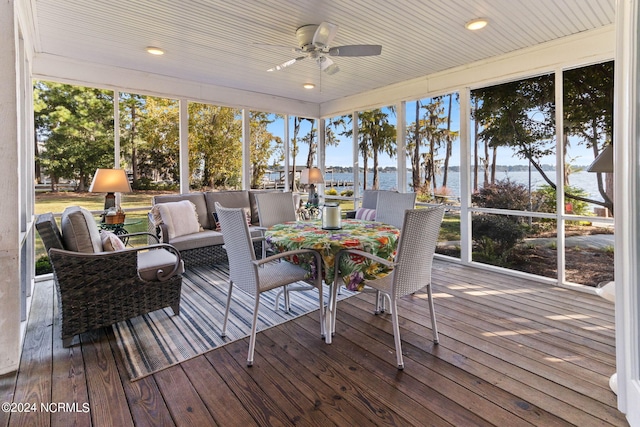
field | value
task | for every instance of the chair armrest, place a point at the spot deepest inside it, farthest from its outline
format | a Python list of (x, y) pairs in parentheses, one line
[(364, 254), (95, 267), (176, 266), (280, 255)]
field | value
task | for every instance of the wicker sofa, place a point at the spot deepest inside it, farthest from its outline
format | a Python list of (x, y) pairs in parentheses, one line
[(204, 247), (99, 286)]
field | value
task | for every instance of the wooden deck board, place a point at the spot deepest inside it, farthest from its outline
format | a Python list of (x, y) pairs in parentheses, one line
[(512, 352)]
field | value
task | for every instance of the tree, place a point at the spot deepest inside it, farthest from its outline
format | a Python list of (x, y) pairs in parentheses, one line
[(131, 113), (262, 146), (215, 146), (377, 135), (588, 108), (434, 135), (521, 115), (75, 126), (157, 139)]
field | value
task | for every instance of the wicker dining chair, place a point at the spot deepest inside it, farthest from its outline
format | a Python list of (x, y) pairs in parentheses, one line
[(411, 268), (274, 208), (390, 207), (257, 276)]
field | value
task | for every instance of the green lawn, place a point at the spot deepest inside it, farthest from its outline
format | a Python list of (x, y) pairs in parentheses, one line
[(57, 202)]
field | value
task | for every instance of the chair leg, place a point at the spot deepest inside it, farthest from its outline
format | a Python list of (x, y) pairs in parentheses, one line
[(176, 308), (254, 327), (396, 333), (226, 311), (287, 299), (379, 308), (330, 316), (323, 330), (432, 310)]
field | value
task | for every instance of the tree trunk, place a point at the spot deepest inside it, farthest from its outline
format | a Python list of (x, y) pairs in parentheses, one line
[(415, 161), (494, 160), (38, 171), (376, 178), (485, 163)]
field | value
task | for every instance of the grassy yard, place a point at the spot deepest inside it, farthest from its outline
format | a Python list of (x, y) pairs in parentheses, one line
[(57, 202), (137, 221)]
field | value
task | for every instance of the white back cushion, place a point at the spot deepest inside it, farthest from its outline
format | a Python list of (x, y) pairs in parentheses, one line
[(180, 218)]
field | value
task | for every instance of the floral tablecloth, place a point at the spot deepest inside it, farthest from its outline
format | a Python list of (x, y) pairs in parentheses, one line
[(373, 237)]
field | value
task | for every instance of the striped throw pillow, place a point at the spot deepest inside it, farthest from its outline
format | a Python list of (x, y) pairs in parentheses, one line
[(366, 214)]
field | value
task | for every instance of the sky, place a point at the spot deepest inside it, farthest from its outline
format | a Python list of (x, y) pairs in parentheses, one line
[(341, 155)]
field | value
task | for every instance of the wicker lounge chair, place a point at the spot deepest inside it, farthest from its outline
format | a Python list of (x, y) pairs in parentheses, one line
[(96, 289)]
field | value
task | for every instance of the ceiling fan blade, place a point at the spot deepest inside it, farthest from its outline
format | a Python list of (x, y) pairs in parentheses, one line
[(324, 34), (287, 63), (356, 50)]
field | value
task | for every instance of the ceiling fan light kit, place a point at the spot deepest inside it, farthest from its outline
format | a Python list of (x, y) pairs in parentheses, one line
[(314, 42)]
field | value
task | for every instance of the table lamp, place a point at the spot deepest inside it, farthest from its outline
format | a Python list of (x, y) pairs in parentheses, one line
[(312, 176), (110, 181)]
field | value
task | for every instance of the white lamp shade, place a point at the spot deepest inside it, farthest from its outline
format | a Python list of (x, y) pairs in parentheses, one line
[(311, 176), (110, 181)]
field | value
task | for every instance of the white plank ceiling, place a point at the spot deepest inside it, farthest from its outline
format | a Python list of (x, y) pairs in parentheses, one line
[(217, 42)]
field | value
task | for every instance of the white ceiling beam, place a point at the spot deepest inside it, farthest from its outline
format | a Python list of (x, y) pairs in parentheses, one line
[(64, 70), (569, 52)]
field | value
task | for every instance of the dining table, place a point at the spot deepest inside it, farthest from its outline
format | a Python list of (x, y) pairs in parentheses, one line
[(370, 236)]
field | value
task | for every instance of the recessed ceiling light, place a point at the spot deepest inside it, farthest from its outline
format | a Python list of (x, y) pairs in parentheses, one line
[(155, 50), (476, 24), (308, 85)]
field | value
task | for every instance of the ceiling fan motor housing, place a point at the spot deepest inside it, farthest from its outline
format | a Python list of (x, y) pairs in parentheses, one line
[(305, 35)]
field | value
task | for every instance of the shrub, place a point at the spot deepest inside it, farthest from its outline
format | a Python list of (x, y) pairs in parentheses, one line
[(504, 194), (346, 193), (495, 235), (331, 192), (43, 265), (548, 200)]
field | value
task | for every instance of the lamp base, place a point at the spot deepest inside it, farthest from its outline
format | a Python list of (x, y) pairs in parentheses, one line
[(109, 201)]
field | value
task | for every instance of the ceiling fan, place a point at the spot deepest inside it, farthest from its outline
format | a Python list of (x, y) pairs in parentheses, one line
[(314, 42)]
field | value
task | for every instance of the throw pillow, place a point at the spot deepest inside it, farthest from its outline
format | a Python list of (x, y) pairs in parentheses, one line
[(180, 218), (366, 214), (110, 242)]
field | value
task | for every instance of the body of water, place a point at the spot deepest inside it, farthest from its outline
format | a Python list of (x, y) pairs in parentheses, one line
[(584, 180)]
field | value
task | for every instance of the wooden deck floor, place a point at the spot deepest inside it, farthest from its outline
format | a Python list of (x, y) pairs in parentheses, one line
[(512, 352)]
